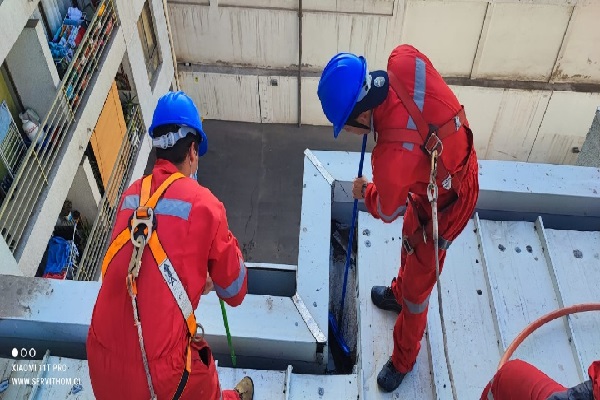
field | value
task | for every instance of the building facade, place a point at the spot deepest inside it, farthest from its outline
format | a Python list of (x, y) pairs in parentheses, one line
[(79, 82)]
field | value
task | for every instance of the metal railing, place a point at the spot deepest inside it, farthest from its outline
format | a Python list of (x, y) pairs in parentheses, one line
[(107, 209), (12, 146), (40, 159)]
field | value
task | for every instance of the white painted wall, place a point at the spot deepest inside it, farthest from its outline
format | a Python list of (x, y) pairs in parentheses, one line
[(84, 193), (545, 41), (565, 126), (509, 124), (509, 39), (579, 59), (147, 95), (13, 17), (269, 38), (32, 68), (8, 266), (521, 41)]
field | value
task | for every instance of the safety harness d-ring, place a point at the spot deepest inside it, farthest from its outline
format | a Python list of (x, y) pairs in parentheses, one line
[(142, 224), (198, 337), (432, 142)]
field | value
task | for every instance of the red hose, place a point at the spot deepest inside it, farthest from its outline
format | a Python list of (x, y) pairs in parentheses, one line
[(561, 312)]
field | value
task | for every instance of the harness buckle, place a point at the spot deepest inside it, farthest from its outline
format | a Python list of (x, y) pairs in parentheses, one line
[(198, 337), (407, 246), (142, 224), (433, 142)]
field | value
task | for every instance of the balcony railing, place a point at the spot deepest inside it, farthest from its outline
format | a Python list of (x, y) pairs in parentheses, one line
[(107, 209), (12, 147), (41, 157)]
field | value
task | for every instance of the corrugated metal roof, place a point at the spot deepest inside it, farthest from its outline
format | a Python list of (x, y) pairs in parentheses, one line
[(498, 277)]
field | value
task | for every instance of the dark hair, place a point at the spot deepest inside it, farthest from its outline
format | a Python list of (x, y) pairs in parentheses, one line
[(177, 153)]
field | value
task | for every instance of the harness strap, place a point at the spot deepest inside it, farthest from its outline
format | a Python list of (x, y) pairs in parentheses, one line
[(411, 107), (147, 202), (172, 280), (425, 231), (409, 242), (429, 137), (114, 248), (412, 136), (145, 191)]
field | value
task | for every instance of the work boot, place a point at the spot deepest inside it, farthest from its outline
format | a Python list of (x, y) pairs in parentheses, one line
[(388, 378), (383, 297), (245, 388)]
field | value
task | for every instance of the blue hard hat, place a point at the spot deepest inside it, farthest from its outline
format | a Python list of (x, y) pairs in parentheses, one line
[(340, 86), (179, 109)]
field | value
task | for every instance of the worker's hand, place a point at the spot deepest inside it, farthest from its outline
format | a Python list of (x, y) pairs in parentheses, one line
[(208, 286), (358, 187)]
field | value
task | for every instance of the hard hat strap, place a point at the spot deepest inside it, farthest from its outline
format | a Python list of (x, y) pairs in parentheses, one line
[(169, 139)]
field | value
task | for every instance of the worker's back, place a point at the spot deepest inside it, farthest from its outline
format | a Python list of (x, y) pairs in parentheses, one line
[(189, 219), (403, 165)]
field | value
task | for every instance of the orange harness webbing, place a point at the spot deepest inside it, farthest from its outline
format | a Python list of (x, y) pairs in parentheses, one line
[(141, 232)]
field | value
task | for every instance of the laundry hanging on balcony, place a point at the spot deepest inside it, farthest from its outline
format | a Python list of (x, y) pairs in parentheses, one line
[(62, 258), (66, 39)]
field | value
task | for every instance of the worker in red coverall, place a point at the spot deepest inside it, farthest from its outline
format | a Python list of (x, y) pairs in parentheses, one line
[(413, 114), (518, 380), (190, 250)]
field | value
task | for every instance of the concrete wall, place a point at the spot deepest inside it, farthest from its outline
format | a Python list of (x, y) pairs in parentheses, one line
[(255, 36), (125, 41), (148, 95), (8, 266), (32, 69), (84, 193), (235, 50), (13, 17), (509, 124), (550, 40)]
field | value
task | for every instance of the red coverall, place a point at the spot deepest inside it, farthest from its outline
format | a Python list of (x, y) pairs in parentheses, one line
[(400, 168), (518, 380), (192, 227)]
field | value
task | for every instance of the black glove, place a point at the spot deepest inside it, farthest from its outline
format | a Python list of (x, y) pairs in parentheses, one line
[(582, 391)]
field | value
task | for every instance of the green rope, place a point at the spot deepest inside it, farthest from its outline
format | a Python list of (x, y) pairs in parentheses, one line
[(224, 312)]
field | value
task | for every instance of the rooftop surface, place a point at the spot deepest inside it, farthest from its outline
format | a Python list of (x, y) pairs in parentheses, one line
[(500, 274)]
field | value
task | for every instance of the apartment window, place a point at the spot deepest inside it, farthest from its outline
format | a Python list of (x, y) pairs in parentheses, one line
[(146, 29)]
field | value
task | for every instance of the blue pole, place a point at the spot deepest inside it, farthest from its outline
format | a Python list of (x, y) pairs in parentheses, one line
[(351, 238)]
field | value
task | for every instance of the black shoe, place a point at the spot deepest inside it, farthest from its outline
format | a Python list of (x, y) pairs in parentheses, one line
[(383, 297), (388, 378)]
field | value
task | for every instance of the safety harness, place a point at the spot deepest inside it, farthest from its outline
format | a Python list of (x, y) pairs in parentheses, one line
[(429, 137), (141, 231), (430, 140)]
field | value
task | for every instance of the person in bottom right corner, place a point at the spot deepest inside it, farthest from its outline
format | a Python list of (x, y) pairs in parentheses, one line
[(518, 380)]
